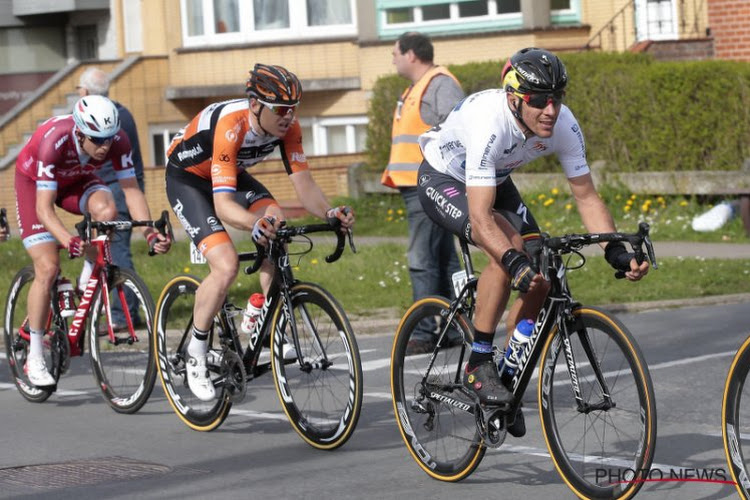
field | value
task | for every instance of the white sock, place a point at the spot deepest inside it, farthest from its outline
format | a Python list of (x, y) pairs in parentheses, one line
[(36, 347), (197, 347), (83, 280)]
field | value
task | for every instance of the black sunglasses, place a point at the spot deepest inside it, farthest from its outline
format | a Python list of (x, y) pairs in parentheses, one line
[(540, 101), (100, 140)]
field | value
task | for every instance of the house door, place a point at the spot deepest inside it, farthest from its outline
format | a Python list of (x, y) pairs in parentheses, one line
[(656, 19)]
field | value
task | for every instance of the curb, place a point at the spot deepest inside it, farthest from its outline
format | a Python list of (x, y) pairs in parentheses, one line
[(385, 321)]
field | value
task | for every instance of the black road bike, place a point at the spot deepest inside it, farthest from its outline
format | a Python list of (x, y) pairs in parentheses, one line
[(735, 418), (320, 391), (595, 395)]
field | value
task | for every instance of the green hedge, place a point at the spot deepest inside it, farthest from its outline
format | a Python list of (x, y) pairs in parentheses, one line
[(636, 113)]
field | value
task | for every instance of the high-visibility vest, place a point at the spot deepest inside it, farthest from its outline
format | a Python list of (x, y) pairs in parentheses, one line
[(407, 127)]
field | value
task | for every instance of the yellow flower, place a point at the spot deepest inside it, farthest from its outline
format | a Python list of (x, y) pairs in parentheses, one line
[(568, 206), (400, 212), (683, 203), (295, 268), (389, 219), (390, 211), (626, 208), (547, 224), (555, 191), (645, 207), (314, 261), (628, 203), (661, 199), (633, 197), (542, 196), (618, 197), (549, 201), (185, 269)]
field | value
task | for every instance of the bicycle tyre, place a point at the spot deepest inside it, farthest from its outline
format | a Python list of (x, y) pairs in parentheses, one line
[(443, 440), (16, 348), (125, 372), (174, 319), (732, 420), (322, 406), (629, 385)]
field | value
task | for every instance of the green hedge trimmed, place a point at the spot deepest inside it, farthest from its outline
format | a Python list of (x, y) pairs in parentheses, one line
[(637, 113)]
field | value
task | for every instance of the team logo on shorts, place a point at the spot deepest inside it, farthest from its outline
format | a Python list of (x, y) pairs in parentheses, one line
[(424, 179)]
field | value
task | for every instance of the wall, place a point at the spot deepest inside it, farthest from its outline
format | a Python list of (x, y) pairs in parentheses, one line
[(729, 21)]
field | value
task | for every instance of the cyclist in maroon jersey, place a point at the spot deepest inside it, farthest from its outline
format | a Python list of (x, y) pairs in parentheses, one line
[(57, 167)]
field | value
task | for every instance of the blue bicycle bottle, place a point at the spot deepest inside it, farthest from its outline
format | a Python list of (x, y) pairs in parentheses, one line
[(521, 336)]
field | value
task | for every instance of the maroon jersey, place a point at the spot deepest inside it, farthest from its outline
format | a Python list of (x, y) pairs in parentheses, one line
[(54, 160)]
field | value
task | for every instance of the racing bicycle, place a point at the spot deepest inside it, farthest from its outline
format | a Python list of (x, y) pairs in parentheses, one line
[(735, 417), (320, 391), (595, 395), (121, 357)]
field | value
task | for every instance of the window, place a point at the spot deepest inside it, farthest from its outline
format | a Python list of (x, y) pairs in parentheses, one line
[(330, 136), (207, 22), (472, 9), (397, 16), (560, 5), (161, 136)]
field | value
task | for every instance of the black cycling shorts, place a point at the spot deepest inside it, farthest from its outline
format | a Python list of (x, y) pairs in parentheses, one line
[(444, 201), (191, 199)]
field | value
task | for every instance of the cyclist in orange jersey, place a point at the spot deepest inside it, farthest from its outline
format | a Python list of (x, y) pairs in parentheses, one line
[(208, 186)]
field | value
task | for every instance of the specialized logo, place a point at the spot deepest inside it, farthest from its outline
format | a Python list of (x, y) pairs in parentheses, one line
[(190, 153), (442, 202), (523, 212)]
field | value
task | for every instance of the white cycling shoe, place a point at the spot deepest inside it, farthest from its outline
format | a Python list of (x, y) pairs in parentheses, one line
[(36, 371), (199, 380)]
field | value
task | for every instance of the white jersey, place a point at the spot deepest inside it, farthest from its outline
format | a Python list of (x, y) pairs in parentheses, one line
[(480, 143)]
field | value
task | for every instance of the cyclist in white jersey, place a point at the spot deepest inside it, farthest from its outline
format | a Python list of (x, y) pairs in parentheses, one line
[(465, 186)]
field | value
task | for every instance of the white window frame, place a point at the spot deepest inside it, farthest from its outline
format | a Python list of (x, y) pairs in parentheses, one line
[(320, 134), (298, 27), (165, 129), (418, 22)]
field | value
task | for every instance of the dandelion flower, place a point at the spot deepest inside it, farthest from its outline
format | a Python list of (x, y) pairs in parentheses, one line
[(555, 191), (185, 269), (683, 203), (314, 261), (548, 202), (568, 206), (400, 211), (626, 208), (390, 211), (542, 196)]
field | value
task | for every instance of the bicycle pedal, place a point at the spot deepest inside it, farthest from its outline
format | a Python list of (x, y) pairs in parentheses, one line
[(493, 426)]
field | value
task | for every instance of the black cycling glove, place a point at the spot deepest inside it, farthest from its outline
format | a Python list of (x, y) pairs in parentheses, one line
[(520, 270), (617, 256)]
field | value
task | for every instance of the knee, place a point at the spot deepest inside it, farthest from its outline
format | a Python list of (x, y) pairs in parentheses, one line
[(45, 272), (103, 209), (225, 271)]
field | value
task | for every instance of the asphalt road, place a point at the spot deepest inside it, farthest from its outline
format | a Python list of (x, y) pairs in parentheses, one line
[(74, 446)]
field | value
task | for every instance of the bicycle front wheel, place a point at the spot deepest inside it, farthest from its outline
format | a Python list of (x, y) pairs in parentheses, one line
[(16, 333), (434, 415), (321, 390), (124, 368), (604, 443), (174, 324), (734, 417)]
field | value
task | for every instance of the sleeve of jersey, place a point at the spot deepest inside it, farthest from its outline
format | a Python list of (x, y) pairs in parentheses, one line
[(571, 149), (46, 167), (122, 157), (228, 135), (480, 160), (291, 150)]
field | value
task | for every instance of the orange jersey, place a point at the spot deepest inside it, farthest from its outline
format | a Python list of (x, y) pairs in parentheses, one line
[(219, 143)]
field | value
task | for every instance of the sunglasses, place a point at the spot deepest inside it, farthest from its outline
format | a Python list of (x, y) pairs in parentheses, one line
[(279, 109), (540, 101), (100, 140)]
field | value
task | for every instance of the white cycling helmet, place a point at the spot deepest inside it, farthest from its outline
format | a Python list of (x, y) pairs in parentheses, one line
[(96, 116)]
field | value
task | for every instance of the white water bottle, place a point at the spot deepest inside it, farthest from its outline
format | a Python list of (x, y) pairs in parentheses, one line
[(252, 312), (65, 297), (521, 336)]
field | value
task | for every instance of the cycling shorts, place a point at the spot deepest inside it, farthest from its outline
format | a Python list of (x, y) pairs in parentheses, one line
[(72, 197), (444, 200), (192, 201)]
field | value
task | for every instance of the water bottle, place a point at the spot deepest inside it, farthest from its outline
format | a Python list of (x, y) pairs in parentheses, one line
[(65, 297), (521, 336), (251, 312)]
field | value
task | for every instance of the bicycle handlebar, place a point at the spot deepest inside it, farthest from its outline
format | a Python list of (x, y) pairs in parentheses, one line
[(572, 242), (4, 221), (162, 224), (284, 235)]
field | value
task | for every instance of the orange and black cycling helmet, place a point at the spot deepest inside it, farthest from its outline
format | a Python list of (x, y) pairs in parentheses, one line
[(274, 85)]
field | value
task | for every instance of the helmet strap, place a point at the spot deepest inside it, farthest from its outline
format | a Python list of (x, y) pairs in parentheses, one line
[(257, 117), (517, 114)]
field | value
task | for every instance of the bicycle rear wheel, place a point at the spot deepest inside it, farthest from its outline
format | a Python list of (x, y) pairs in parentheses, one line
[(735, 417), (322, 397), (433, 414), (125, 370), (17, 347), (174, 323), (597, 446)]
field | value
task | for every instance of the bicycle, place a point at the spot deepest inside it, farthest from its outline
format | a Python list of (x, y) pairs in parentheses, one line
[(320, 391), (122, 363), (4, 223), (594, 384), (733, 418)]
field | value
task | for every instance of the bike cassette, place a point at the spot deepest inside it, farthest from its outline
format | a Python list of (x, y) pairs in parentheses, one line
[(492, 424), (234, 375)]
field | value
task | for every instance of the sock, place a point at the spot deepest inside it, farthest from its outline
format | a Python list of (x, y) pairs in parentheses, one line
[(36, 347), (481, 349), (198, 345)]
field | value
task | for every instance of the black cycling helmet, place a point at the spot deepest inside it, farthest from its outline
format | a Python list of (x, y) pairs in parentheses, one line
[(274, 85), (533, 70)]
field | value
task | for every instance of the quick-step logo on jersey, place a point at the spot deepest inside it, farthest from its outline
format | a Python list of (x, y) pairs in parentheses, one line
[(443, 203)]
